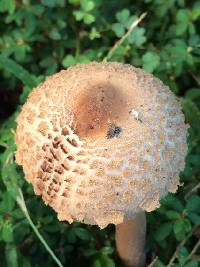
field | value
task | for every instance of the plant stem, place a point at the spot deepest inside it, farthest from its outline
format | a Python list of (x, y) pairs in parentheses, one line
[(130, 241), (193, 250), (153, 262), (22, 205), (193, 190), (124, 37), (174, 256)]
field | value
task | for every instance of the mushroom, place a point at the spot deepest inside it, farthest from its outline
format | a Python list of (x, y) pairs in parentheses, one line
[(102, 143)]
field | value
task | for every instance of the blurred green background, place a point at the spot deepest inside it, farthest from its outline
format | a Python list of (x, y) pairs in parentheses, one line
[(37, 39)]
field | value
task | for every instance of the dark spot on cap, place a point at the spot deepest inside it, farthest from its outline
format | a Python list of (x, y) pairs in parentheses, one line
[(113, 131)]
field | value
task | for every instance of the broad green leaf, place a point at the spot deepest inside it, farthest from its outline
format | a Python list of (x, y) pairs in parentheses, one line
[(172, 214), (194, 218), (195, 13), (54, 34), (193, 94), (7, 232), (106, 261), (94, 34), (182, 254), (79, 14), (7, 6), (150, 61), (82, 233), (123, 16), (192, 264), (53, 3), (68, 61), (107, 250), (11, 255), (9, 201), (181, 227), (74, 2), (159, 263), (193, 204), (87, 5), (163, 231), (182, 15), (192, 113), (88, 18), (118, 29), (97, 263), (181, 28), (137, 37)]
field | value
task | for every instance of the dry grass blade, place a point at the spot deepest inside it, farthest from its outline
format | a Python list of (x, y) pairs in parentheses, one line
[(124, 37)]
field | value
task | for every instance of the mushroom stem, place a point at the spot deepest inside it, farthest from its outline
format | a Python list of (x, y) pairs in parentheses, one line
[(130, 241)]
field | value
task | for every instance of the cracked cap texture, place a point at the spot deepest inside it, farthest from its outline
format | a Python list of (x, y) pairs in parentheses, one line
[(101, 141)]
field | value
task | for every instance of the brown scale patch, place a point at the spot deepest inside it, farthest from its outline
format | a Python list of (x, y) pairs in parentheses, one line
[(65, 131), (64, 148), (128, 172), (71, 158), (100, 171), (46, 167), (72, 142), (43, 128), (30, 141), (114, 164), (66, 165), (30, 118)]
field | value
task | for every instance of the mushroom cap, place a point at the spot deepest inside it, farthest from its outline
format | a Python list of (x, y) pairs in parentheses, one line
[(101, 141)]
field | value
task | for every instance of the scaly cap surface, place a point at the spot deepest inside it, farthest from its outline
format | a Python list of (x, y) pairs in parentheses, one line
[(101, 141)]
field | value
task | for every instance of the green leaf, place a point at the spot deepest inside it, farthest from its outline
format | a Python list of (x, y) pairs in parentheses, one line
[(194, 218), (196, 13), (192, 264), (173, 215), (82, 233), (7, 6), (193, 94), (9, 201), (94, 34), (68, 61), (182, 15), (11, 255), (74, 2), (181, 28), (163, 231), (53, 3), (159, 263), (78, 15), (182, 254), (192, 113), (22, 74), (172, 201), (71, 236), (7, 234), (97, 263), (88, 18), (107, 250), (54, 34), (118, 29), (181, 227), (150, 61), (123, 16), (193, 204), (137, 37), (87, 5), (106, 261)]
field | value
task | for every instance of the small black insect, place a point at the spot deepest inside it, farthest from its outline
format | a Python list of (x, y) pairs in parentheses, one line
[(113, 131)]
